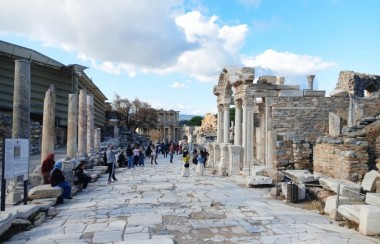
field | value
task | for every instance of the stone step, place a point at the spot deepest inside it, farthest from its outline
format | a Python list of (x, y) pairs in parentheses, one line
[(373, 199)]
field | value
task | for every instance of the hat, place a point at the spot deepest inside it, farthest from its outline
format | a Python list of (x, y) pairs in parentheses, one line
[(58, 165)]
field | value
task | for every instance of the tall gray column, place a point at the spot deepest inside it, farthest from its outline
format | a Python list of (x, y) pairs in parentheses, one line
[(310, 81), (90, 124), (248, 124), (72, 126), (219, 138), (21, 118), (271, 145), (97, 140), (268, 128), (48, 124), (226, 123), (82, 123), (238, 126)]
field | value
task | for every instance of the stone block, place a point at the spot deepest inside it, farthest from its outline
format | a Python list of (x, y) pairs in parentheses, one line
[(257, 181), (267, 79), (290, 93), (275, 191), (299, 176), (330, 204), (369, 220), (44, 191), (370, 179), (350, 212), (332, 185), (338, 93), (373, 199), (23, 211), (334, 125), (301, 192), (313, 93), (102, 169), (6, 220)]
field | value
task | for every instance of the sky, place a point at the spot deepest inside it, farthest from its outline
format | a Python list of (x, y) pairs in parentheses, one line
[(170, 53)]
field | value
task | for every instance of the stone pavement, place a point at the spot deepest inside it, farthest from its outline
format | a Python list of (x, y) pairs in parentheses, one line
[(154, 204)]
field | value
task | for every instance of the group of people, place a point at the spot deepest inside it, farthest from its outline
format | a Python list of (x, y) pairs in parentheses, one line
[(52, 174), (198, 158)]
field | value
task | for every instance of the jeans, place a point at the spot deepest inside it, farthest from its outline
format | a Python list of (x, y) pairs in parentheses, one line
[(130, 162), (66, 189)]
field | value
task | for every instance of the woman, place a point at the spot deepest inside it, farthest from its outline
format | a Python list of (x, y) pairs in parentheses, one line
[(58, 179), (81, 176), (47, 166)]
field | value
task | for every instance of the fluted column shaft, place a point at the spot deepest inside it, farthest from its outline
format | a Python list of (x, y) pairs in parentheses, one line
[(90, 124), (238, 125), (219, 138), (248, 129), (226, 123), (72, 126)]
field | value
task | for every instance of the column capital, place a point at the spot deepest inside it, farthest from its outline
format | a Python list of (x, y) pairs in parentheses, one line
[(248, 102), (226, 106), (238, 103)]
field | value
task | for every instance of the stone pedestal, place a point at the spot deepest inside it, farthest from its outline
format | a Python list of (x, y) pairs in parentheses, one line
[(48, 124), (334, 125), (234, 155)]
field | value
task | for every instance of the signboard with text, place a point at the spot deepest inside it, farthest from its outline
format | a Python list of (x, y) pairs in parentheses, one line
[(16, 158)]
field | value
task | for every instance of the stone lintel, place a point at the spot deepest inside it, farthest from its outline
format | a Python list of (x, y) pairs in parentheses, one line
[(290, 93), (338, 93), (267, 79), (287, 87), (313, 93), (270, 93)]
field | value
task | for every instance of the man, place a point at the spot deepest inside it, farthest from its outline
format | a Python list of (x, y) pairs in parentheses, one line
[(111, 161)]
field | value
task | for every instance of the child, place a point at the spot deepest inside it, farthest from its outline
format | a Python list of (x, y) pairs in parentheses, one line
[(200, 165), (186, 165)]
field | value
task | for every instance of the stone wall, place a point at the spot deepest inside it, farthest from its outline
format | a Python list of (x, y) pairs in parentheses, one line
[(357, 83), (303, 155), (342, 158), (306, 117), (283, 155)]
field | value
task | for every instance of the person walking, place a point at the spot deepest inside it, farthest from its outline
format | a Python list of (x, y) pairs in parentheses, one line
[(186, 165), (136, 155), (129, 153), (201, 164), (111, 161), (171, 152), (153, 155)]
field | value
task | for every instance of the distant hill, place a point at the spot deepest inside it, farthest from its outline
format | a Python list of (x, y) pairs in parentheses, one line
[(186, 116)]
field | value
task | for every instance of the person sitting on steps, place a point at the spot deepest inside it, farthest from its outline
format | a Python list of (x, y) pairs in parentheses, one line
[(83, 179), (58, 179)]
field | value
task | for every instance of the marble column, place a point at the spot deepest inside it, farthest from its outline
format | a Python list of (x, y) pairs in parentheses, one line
[(268, 128), (248, 130), (226, 123), (219, 138), (90, 124), (238, 128), (48, 124), (310, 81), (271, 146), (82, 123), (97, 139), (72, 126), (21, 119)]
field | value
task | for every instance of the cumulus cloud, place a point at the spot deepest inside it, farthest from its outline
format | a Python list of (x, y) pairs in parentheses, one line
[(293, 66), (179, 85)]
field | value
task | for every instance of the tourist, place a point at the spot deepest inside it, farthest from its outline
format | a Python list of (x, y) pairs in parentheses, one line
[(153, 155), (129, 153), (141, 156), (83, 179), (186, 165), (46, 167), (121, 160), (148, 151), (171, 152), (200, 164), (58, 179), (136, 155), (111, 161)]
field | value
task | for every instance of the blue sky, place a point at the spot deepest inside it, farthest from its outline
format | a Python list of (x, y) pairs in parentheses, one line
[(170, 53)]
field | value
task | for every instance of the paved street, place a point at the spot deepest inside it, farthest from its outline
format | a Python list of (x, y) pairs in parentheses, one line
[(154, 204)]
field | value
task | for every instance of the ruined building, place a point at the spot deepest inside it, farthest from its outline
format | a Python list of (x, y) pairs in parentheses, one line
[(279, 126)]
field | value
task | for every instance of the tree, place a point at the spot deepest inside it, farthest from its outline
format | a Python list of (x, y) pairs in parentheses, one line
[(195, 121)]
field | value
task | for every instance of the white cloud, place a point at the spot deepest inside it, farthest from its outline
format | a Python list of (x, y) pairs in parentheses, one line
[(293, 66), (179, 85)]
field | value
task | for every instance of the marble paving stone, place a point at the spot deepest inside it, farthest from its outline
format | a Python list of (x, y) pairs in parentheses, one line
[(147, 219), (107, 236)]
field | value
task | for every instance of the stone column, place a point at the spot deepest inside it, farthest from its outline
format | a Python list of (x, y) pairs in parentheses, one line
[(219, 138), (226, 123), (90, 124), (248, 124), (97, 140), (310, 81), (72, 126), (21, 119), (82, 123), (272, 139), (268, 128), (48, 124), (115, 132), (238, 128)]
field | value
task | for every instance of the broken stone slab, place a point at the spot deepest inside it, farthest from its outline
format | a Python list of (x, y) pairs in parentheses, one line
[(6, 220), (102, 169), (350, 212), (369, 220), (44, 191), (373, 199), (369, 180), (23, 211), (345, 185), (257, 181), (330, 204), (267, 79), (44, 204), (338, 93), (300, 176)]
